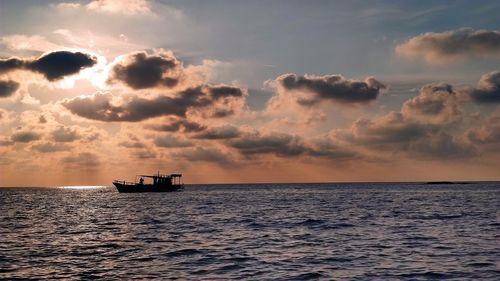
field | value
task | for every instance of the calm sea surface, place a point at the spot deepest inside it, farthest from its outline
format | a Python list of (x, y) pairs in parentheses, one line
[(254, 232)]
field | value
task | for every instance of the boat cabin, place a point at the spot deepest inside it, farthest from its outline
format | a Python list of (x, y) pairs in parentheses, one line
[(161, 179)]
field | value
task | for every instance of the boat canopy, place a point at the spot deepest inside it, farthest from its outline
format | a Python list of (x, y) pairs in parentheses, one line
[(161, 176)]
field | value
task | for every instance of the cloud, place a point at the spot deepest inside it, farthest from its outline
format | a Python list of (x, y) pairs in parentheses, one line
[(64, 134), (68, 5), (7, 117), (25, 136), (314, 89), (82, 160), (445, 47), (170, 141), (53, 66), (222, 132), (328, 148), (273, 143), (24, 42), (487, 132), (56, 65), (7, 88), (205, 154), (100, 106), (124, 7), (50, 147), (392, 131), (141, 70), (396, 134), (108, 45), (175, 125), (11, 64), (135, 144), (6, 143), (488, 89), (144, 154), (442, 146), (287, 145), (436, 102)]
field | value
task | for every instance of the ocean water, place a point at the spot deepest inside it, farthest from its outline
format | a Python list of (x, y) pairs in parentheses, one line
[(253, 232)]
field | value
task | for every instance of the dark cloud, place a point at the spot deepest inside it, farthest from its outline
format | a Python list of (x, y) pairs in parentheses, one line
[(273, 143), (53, 65), (6, 143), (390, 132), (331, 87), (82, 160), (25, 137), (175, 125), (99, 106), (442, 146), (42, 119), (286, 145), (134, 144), (447, 46), (395, 133), (56, 65), (7, 88), (328, 149), (170, 141), (205, 154), (144, 154), (222, 91), (221, 113), (50, 147), (487, 133), (222, 132), (64, 134), (488, 89), (92, 137), (11, 64), (141, 70)]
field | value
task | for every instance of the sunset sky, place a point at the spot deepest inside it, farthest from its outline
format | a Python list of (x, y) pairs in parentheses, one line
[(249, 91)]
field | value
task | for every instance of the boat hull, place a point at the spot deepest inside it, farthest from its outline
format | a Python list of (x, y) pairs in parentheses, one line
[(135, 188)]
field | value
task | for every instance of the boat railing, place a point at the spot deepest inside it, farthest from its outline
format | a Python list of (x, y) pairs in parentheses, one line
[(124, 182)]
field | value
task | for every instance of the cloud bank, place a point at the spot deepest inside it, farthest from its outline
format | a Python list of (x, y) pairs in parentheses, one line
[(445, 47), (101, 106)]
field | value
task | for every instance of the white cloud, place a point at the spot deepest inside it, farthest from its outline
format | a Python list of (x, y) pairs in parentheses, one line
[(67, 6), (127, 7)]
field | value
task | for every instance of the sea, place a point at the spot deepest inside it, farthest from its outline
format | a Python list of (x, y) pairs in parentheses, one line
[(328, 231)]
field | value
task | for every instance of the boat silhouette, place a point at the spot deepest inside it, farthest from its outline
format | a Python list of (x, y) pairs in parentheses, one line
[(159, 183)]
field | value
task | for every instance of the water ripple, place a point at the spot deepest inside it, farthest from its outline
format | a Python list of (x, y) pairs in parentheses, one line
[(259, 232)]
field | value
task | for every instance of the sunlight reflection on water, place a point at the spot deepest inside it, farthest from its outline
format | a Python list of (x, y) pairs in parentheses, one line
[(82, 186)]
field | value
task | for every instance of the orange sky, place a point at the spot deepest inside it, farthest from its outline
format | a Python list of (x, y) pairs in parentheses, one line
[(79, 106)]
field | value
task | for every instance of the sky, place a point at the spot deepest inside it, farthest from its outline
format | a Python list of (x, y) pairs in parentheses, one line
[(248, 91)]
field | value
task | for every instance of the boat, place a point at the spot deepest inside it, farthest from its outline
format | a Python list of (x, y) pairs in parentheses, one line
[(157, 183)]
